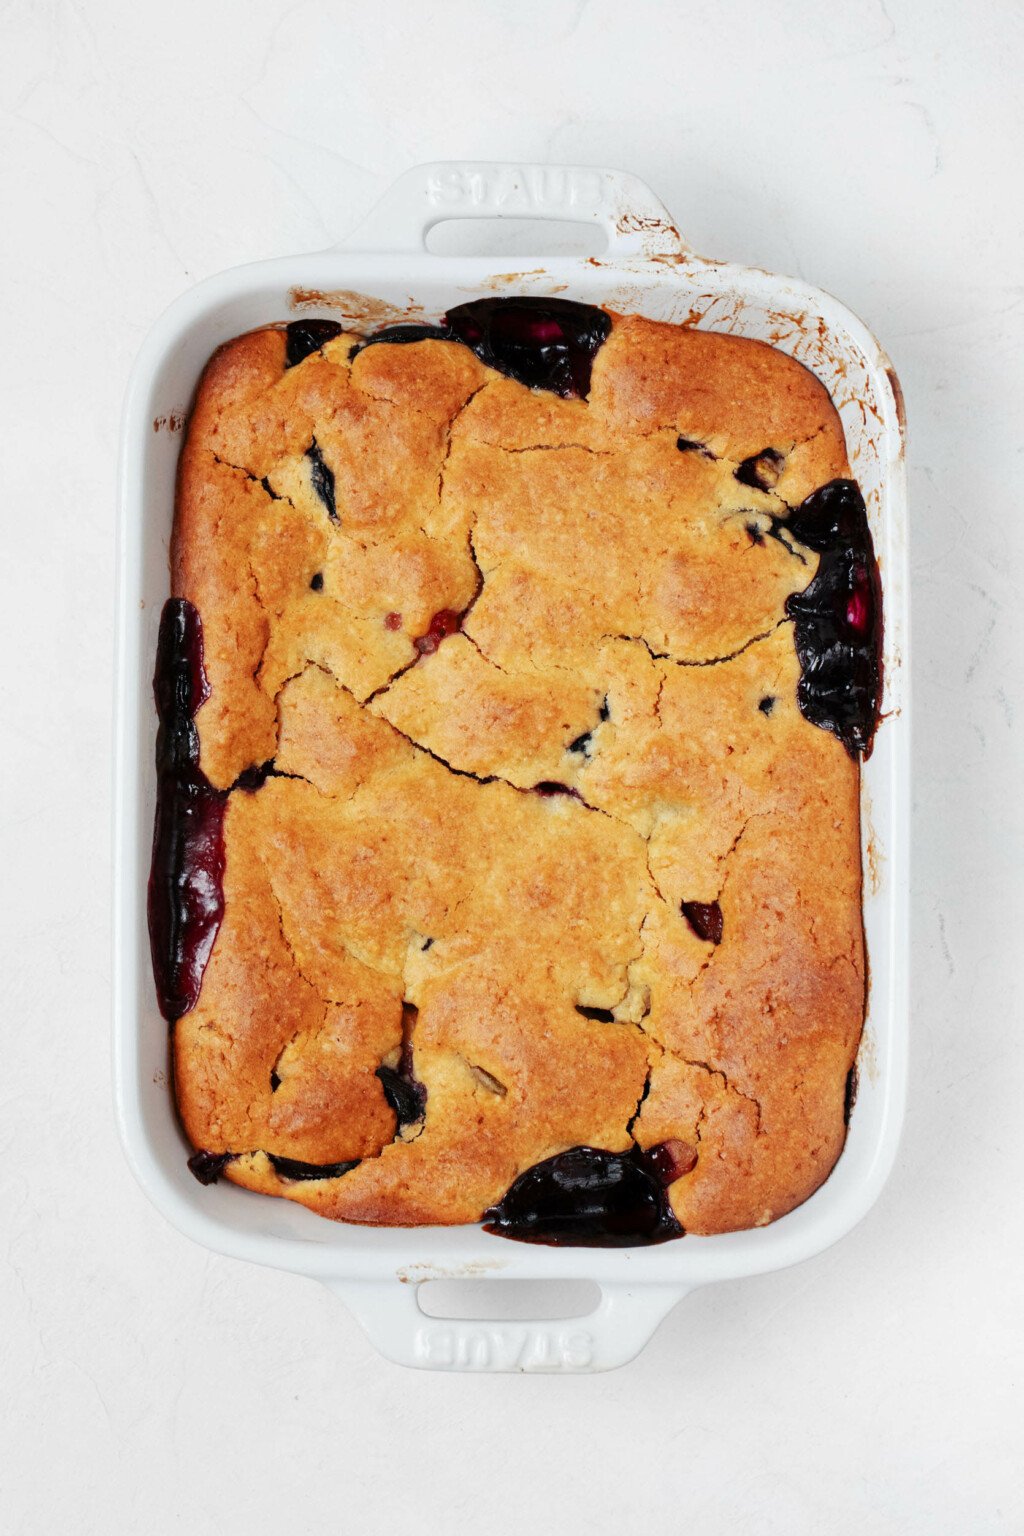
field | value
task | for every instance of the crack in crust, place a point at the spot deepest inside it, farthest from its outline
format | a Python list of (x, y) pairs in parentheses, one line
[(707, 661)]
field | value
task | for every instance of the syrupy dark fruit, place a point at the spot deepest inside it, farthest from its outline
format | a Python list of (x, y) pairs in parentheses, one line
[(321, 477), (548, 788), (207, 1167), (289, 1168), (303, 337), (254, 778), (850, 1093), (670, 1160), (403, 1090), (443, 624), (705, 918), (405, 1095), (542, 343), (761, 471), (691, 445), (838, 617), (590, 1198), (185, 899)]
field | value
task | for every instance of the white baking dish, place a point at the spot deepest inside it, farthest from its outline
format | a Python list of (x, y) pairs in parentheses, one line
[(647, 269)]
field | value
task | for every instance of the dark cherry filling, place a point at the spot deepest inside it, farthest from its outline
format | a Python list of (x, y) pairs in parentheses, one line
[(602, 1015), (185, 899), (850, 1094), (542, 343), (251, 779), (392, 621), (208, 1166), (398, 335), (581, 744), (316, 582), (288, 1168), (405, 1096), (691, 445), (604, 713), (306, 336), (322, 479), (858, 604), (705, 918), (767, 704), (754, 534), (548, 787), (591, 1199), (670, 1160), (838, 618), (761, 471), (403, 1090), (442, 625)]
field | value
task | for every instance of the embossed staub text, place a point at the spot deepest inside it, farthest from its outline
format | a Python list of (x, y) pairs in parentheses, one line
[(514, 189), (488, 1348)]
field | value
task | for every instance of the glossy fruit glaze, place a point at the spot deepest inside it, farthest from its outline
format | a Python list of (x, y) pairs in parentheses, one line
[(186, 900), (838, 617), (542, 343), (705, 918), (590, 1198)]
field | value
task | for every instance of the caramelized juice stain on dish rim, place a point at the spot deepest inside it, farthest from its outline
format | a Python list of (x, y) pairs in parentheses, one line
[(474, 1269), (362, 307), (867, 1056), (498, 281), (173, 421), (873, 855), (900, 404)]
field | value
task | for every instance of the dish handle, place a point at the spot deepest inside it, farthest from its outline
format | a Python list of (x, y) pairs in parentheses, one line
[(613, 1334), (635, 222)]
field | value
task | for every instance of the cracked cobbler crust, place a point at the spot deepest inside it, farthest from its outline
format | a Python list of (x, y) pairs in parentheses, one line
[(397, 888)]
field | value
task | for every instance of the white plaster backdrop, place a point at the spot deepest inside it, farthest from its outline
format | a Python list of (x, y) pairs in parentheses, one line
[(873, 150)]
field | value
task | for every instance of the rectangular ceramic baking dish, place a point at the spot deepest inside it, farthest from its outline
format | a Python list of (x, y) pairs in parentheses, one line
[(384, 272)]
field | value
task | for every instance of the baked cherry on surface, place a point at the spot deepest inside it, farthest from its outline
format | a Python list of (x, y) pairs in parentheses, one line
[(442, 625), (542, 343), (705, 918), (303, 337), (589, 1198)]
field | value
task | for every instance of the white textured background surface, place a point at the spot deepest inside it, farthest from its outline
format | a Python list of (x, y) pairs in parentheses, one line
[(875, 151)]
